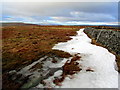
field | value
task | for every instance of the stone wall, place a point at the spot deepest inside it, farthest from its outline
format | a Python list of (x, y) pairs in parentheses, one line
[(108, 38)]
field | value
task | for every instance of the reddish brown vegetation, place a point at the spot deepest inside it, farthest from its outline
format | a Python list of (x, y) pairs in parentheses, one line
[(89, 69), (72, 67), (69, 68), (61, 54), (108, 28), (24, 44), (54, 61), (118, 62), (9, 84)]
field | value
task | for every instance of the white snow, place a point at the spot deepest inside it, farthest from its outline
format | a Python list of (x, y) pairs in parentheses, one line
[(58, 73), (95, 57)]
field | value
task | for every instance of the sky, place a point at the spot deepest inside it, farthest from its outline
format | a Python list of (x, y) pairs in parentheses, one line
[(60, 13)]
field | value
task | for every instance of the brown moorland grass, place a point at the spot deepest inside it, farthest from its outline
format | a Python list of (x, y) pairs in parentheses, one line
[(21, 45), (24, 44)]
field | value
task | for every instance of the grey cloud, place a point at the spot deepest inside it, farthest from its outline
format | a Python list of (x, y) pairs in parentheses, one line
[(62, 11), (58, 8)]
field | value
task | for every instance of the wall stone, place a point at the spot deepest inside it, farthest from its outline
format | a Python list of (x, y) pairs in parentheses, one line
[(108, 38)]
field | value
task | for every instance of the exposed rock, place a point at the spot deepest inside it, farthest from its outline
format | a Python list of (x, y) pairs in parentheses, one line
[(35, 73)]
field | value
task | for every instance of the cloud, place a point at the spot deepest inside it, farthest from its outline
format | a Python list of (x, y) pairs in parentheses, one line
[(60, 12), (57, 8), (84, 16), (93, 16)]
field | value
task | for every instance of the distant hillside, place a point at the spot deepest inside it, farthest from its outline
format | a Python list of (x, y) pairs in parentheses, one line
[(26, 24), (16, 24)]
